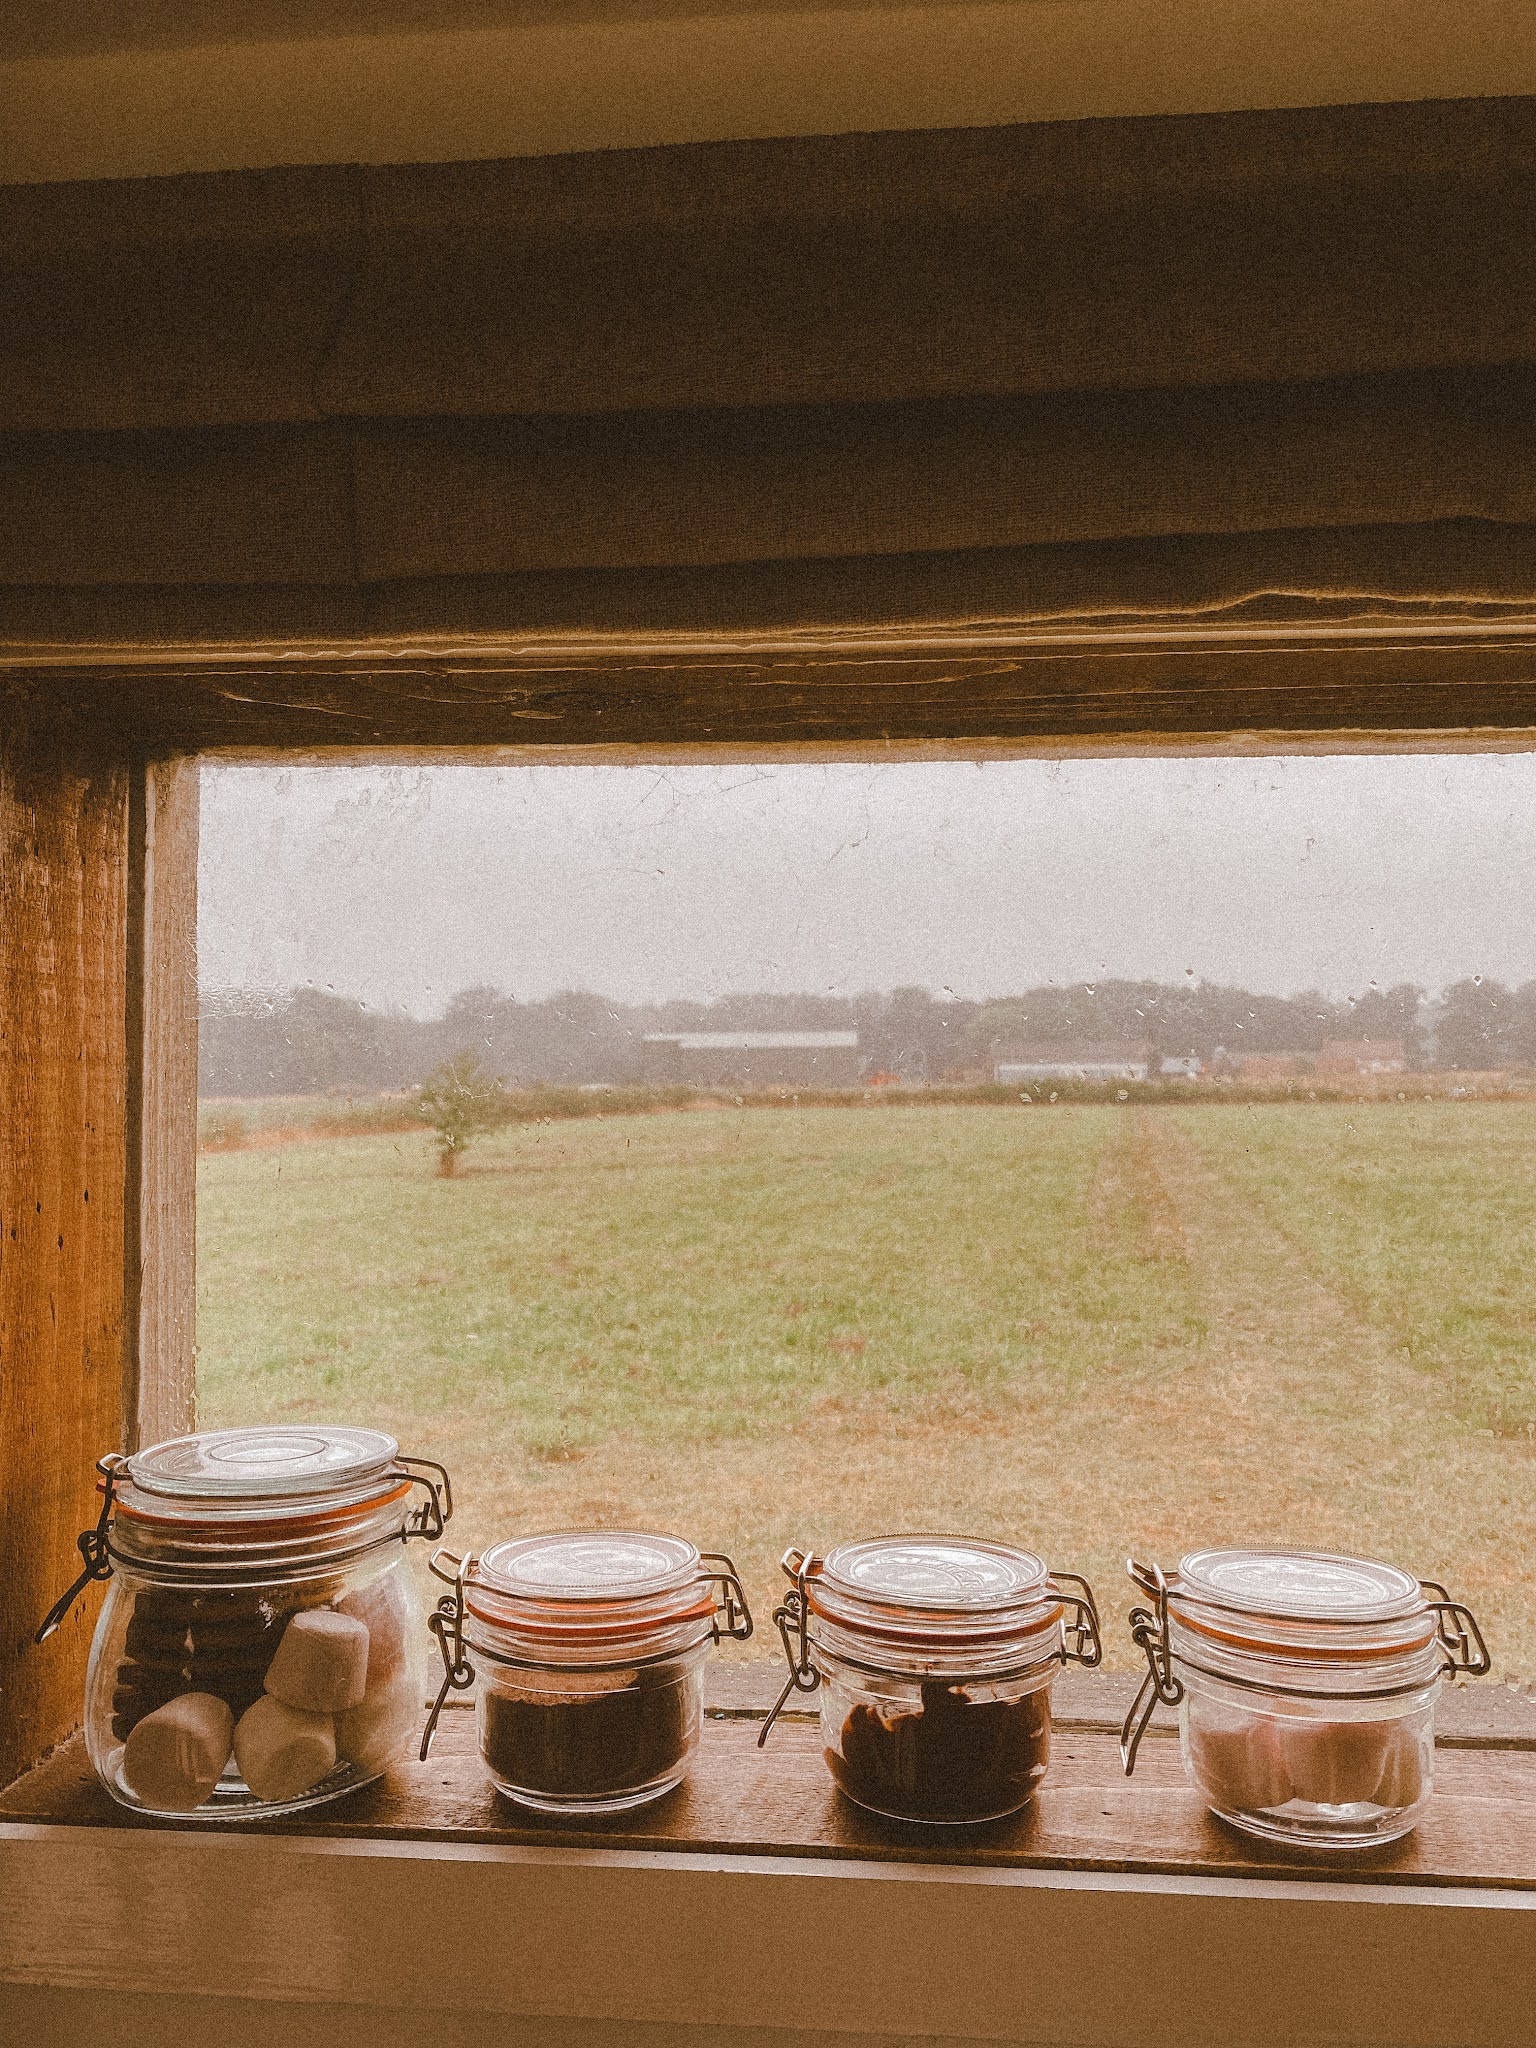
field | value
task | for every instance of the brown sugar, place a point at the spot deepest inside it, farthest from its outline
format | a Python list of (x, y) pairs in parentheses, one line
[(598, 1735), (952, 1758)]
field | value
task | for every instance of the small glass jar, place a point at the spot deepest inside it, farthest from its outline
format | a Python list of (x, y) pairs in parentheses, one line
[(261, 1645), (1306, 1687), (933, 1657), (593, 1645)]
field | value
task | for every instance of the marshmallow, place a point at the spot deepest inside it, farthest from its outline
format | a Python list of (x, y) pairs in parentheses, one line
[(321, 1665), (175, 1756), (1402, 1780), (1237, 1761), (384, 1609), (372, 1735), (283, 1751), (1337, 1763)]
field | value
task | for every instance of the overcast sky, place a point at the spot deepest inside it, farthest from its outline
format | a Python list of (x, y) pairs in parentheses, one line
[(402, 886)]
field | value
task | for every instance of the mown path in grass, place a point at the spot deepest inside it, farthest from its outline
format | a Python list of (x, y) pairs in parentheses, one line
[(1316, 1424), (1073, 1325), (1380, 1275)]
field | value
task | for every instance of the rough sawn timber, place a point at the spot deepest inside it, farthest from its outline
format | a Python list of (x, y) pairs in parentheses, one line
[(64, 1362), (779, 1801), (951, 685)]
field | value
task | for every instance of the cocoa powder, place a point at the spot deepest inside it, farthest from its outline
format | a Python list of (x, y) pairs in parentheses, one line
[(597, 1736)]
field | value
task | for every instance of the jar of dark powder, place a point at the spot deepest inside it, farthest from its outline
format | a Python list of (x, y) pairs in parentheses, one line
[(933, 1657), (590, 1648)]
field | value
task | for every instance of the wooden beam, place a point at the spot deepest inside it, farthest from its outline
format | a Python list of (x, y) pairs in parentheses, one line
[(980, 685), (63, 1097), (670, 1942)]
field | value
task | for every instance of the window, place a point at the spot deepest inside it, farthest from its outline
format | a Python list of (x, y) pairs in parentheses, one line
[(1117, 1155), (811, 1894)]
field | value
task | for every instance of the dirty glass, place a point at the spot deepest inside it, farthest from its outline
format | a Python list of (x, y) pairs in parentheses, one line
[(1110, 1155)]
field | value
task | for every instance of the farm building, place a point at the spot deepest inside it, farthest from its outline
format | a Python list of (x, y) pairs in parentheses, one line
[(1127, 1061), (752, 1059), (1272, 1066), (1362, 1056)]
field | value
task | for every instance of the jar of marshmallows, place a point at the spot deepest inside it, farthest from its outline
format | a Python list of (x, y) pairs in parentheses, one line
[(262, 1644), (1306, 1687)]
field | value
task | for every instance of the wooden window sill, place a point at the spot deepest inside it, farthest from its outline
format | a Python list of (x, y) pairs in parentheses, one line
[(756, 1908), (740, 1800)]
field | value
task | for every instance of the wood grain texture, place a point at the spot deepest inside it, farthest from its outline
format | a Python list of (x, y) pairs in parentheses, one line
[(1089, 255), (379, 502), (161, 1238), (981, 686), (63, 1059), (862, 1937), (740, 1800), (45, 2016)]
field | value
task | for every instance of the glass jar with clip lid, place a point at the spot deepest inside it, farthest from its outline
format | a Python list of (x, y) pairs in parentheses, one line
[(1306, 1686), (933, 1657), (593, 1644), (261, 1645)]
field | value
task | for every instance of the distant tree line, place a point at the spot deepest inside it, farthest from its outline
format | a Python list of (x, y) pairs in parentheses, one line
[(311, 1042)]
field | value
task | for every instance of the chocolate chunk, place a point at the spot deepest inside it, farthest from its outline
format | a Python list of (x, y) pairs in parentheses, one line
[(954, 1757)]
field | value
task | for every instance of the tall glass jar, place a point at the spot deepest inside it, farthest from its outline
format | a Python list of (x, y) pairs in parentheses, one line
[(593, 1644), (933, 1658), (262, 1646), (1306, 1686)]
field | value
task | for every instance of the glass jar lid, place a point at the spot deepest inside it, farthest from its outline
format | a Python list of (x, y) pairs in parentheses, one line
[(577, 1595), (950, 1592), (938, 1573), (272, 1469), (1309, 1604), (598, 1564)]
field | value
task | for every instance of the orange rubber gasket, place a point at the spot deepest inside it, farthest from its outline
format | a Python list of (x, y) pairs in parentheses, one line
[(296, 1524), (1310, 1653)]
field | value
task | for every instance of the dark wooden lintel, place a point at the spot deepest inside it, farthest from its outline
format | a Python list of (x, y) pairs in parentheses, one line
[(1040, 690)]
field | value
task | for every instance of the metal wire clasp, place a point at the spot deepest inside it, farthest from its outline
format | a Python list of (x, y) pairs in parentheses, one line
[(447, 1624), (1081, 1641), (92, 1545), (793, 1623), (1466, 1654), (733, 1619), (436, 1511), (1149, 1628)]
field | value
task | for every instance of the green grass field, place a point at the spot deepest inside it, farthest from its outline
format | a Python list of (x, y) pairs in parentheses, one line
[(1092, 1329)]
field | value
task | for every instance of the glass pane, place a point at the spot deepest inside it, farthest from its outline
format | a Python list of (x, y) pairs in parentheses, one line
[(1107, 1155)]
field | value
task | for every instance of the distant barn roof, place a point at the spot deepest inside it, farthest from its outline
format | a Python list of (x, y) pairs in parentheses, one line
[(753, 1041), (1363, 1049), (1103, 1053)]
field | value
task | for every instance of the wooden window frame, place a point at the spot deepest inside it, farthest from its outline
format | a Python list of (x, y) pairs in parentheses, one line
[(98, 853)]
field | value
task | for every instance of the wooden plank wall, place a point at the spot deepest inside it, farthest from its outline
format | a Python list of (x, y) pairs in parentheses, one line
[(64, 836)]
